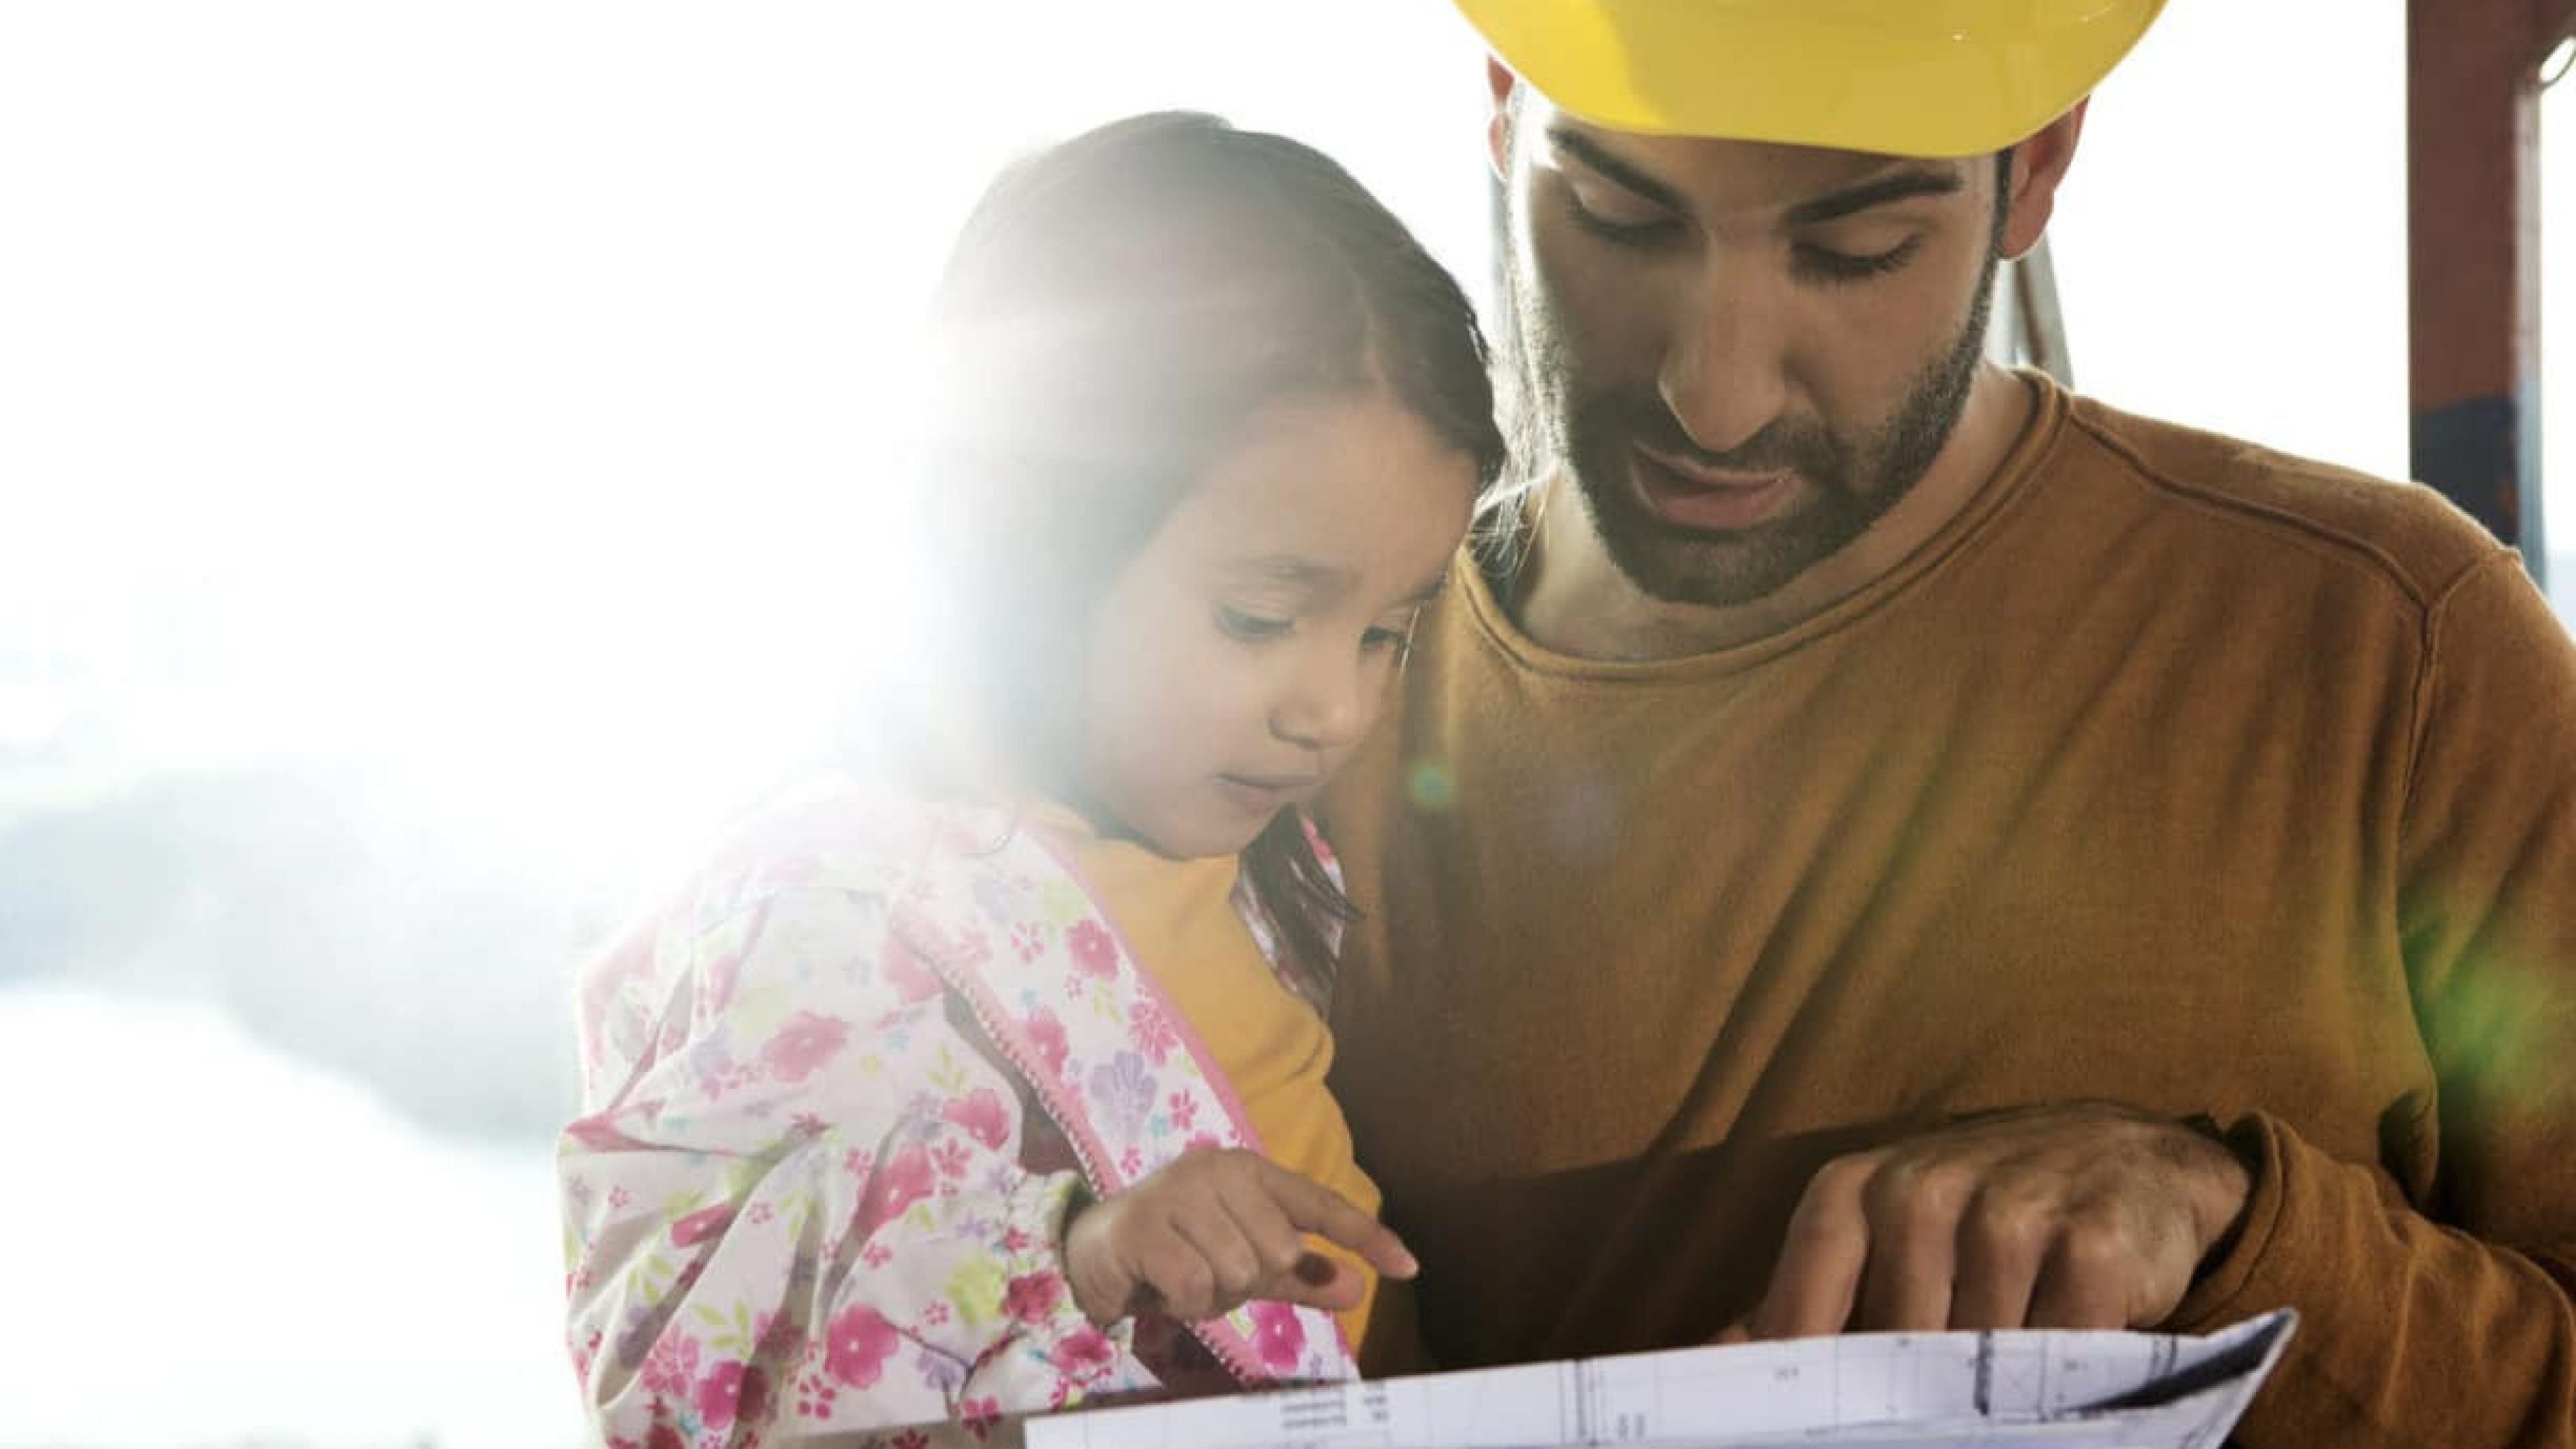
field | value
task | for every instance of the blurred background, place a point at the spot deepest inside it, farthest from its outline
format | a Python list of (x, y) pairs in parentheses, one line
[(438, 463)]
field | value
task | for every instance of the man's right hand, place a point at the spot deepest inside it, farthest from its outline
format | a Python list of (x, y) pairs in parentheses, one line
[(2086, 1215), (1214, 1229)]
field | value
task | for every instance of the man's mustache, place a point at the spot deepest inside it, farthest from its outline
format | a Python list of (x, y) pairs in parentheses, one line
[(1781, 446)]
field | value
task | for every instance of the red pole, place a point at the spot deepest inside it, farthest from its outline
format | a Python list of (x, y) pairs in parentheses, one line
[(2474, 253)]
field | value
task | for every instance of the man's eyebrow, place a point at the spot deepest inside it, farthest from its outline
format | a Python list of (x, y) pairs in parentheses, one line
[(1903, 186), (1592, 154)]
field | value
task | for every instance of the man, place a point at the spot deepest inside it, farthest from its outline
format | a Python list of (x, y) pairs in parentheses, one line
[(1874, 842)]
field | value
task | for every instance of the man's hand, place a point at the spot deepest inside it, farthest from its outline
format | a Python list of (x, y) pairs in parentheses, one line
[(2057, 1217), (1214, 1228)]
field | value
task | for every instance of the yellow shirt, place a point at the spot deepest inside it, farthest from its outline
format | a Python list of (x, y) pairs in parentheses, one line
[(1178, 916)]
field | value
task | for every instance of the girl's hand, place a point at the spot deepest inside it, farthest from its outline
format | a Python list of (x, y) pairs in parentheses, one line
[(1216, 1228)]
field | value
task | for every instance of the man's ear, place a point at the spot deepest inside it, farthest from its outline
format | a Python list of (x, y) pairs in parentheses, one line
[(1498, 125), (2038, 165)]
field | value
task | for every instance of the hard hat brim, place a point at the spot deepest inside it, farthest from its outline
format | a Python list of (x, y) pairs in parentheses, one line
[(1926, 78)]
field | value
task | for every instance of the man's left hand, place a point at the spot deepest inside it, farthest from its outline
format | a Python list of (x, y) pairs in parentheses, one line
[(2086, 1216)]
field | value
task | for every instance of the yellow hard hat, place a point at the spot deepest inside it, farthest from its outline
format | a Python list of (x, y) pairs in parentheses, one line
[(1899, 77)]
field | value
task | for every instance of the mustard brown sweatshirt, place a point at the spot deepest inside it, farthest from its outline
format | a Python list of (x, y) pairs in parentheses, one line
[(2172, 772)]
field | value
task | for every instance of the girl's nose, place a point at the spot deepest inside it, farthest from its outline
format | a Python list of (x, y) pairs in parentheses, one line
[(1329, 708)]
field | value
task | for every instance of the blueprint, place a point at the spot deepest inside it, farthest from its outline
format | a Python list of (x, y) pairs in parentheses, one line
[(2029, 1389)]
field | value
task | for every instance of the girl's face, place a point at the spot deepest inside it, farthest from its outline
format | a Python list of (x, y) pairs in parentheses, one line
[(1243, 653)]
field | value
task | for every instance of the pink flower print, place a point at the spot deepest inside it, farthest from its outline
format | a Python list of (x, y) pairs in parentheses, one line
[(974, 948), (815, 1393), (1184, 1109), (1151, 1031), (909, 1439), (858, 1346), (1046, 1036), (599, 1133), (1032, 1296), (701, 1225), (1132, 1161), (952, 1159), (666, 1435), (804, 1044), (719, 1395), (982, 1116), (904, 1181), (672, 1367), (1026, 942), (912, 981), (1085, 1354), (1276, 1334), (979, 1415), (1095, 951)]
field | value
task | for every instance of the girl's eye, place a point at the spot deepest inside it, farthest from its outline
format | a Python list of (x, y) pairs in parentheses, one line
[(1251, 628), (1381, 639), (1823, 264)]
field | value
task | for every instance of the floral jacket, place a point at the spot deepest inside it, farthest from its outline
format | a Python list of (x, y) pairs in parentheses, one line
[(837, 1101)]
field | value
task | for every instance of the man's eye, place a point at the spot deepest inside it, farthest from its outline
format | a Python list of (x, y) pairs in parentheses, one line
[(1251, 628), (1823, 264), (1624, 225)]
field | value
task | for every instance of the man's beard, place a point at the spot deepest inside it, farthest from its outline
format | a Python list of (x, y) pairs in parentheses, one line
[(1851, 482)]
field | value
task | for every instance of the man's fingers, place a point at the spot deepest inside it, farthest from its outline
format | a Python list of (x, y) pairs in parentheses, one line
[(1326, 1213), (2003, 1241), (1818, 1276), (1913, 1247), (2094, 1276)]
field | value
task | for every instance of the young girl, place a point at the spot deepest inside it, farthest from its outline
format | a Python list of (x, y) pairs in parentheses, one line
[(996, 1084)]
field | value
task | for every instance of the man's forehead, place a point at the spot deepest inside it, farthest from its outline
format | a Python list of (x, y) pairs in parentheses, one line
[(1739, 173)]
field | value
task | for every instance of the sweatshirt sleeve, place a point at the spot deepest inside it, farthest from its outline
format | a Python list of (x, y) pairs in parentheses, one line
[(797, 1202), (2440, 1312)]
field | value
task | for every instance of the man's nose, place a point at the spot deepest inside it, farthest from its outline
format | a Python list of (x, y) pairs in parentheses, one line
[(1725, 375)]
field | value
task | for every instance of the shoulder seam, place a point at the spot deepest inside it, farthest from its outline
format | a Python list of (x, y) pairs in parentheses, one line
[(2338, 540), (2419, 725)]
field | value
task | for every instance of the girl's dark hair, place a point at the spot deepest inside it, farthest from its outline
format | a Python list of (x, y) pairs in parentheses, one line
[(1116, 311)]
